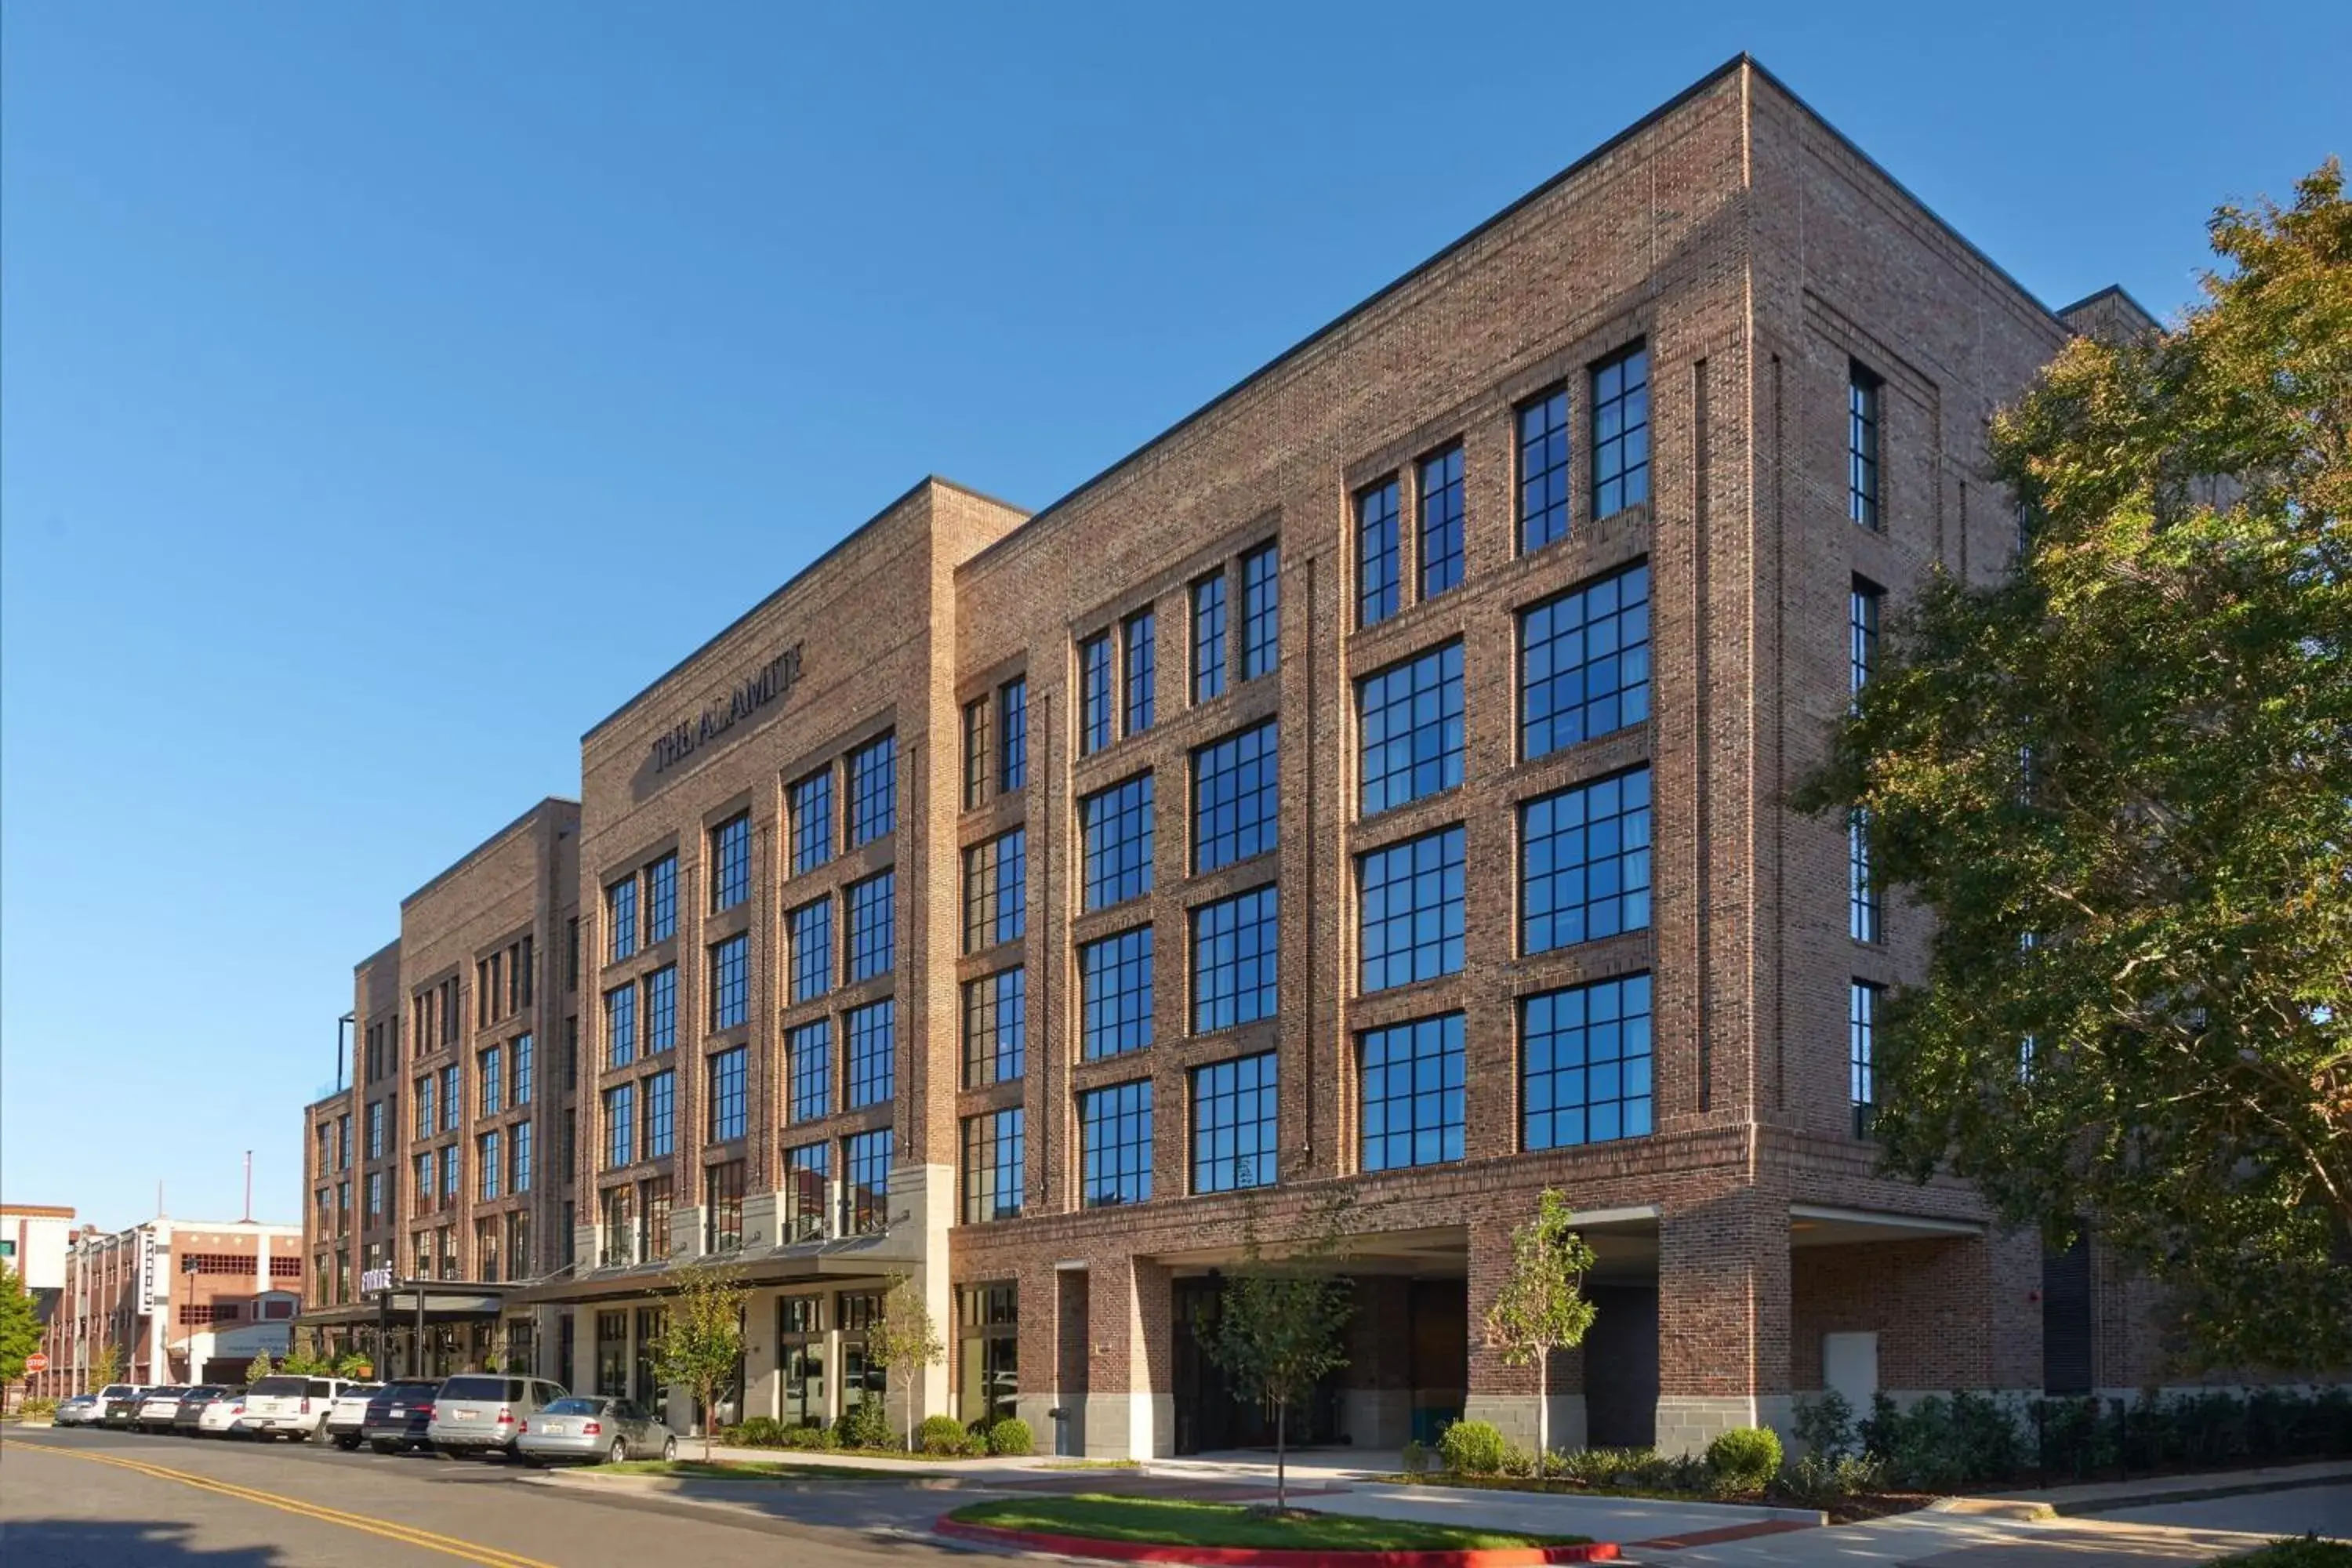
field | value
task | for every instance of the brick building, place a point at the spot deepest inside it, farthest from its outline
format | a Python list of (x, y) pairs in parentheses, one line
[(1025, 902), (179, 1301)]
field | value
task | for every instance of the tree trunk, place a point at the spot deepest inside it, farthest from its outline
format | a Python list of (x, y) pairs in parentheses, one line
[(1543, 1408), (710, 1419), (1281, 1455)]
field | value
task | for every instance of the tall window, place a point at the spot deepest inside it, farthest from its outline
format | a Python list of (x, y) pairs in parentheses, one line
[(993, 1165), (1094, 694), (1261, 611), (808, 1056), (620, 1126), (731, 980), (1141, 672), (1413, 910), (1621, 430), (1234, 1124), (995, 1028), (661, 900), (518, 1158), (730, 857), (423, 1100), (1584, 1064), (1115, 1143), (1542, 423), (1585, 863), (376, 1192), (1209, 638), (1115, 825), (661, 1114), (620, 1026), (722, 1187), (1377, 588), (1235, 798), (1862, 398), (806, 1170), (975, 752), (873, 946), (1584, 663), (1862, 906), (812, 812), (525, 1050), (995, 890), (1441, 522), (1235, 945), (654, 1201), (865, 1172), (1409, 723), (808, 932), (729, 1071), (621, 915), (1114, 991), (661, 1009), (873, 791), (490, 1082), (1013, 722), (375, 1120), (1411, 1081), (489, 1163), (453, 1098), (1861, 631), (871, 1034), (1861, 1052)]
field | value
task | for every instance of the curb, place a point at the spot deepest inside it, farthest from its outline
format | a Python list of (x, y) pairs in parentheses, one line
[(1991, 1508), (1271, 1557), (1998, 1507)]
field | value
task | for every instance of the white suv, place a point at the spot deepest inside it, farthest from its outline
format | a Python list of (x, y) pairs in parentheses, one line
[(290, 1405)]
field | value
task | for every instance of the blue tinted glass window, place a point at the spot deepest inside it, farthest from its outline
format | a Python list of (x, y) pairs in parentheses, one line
[(1115, 989), (1209, 638), (661, 1114), (620, 1026), (1013, 721), (620, 1126), (1413, 904), (453, 1098), (1261, 611), (1862, 632), (1141, 673), (812, 806), (1862, 399), (1234, 1124), (1863, 922), (871, 1036), (621, 915), (1441, 522), (995, 890), (524, 1051), (519, 1161), (995, 1028), (1235, 946), (1621, 431), (1543, 469), (1409, 726), (490, 1162), (866, 1171), (728, 1108), (731, 855), (730, 982), (661, 1009), (1585, 863), (1861, 1052), (1094, 694), (1377, 588), (1584, 663), (1585, 1064), (808, 931), (1114, 1138), (993, 1165), (873, 945), (873, 791), (1115, 826), (1235, 798), (808, 1052), (1411, 1081), (661, 900)]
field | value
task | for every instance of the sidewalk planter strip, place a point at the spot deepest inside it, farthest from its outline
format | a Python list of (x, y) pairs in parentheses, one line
[(1133, 1530)]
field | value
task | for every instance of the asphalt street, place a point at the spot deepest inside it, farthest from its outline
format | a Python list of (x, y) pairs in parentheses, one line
[(111, 1499)]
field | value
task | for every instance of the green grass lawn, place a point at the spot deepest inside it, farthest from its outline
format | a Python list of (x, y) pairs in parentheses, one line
[(1175, 1523), (2307, 1553)]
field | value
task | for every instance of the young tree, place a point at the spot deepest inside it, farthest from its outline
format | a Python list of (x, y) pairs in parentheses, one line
[(105, 1366), (20, 1326), (702, 1344), (257, 1369), (1541, 1307), (1279, 1326), (906, 1342), (2120, 778)]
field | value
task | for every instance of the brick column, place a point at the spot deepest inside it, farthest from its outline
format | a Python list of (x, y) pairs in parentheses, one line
[(1129, 1411), (1723, 1316)]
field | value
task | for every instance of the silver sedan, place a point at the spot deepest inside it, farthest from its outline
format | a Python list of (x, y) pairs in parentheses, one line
[(597, 1429)]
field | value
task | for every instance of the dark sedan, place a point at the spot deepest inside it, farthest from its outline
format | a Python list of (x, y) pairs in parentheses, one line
[(399, 1415), (122, 1409), (185, 1420)]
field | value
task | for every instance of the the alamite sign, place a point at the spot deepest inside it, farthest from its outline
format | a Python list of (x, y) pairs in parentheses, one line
[(769, 684), (374, 1280)]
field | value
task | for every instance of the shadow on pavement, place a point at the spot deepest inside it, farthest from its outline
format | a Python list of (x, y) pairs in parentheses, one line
[(120, 1544)]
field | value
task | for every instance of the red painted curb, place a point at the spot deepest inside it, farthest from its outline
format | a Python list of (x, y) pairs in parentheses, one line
[(1274, 1557)]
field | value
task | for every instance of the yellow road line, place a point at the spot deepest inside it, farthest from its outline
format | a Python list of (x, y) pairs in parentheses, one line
[(471, 1552)]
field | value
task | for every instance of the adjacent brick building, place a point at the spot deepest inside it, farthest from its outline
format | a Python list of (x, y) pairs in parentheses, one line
[(1374, 787), (178, 1300)]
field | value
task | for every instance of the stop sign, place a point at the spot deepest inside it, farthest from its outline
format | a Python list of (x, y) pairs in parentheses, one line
[(36, 1361)]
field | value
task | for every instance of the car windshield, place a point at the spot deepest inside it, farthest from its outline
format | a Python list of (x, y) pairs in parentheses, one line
[(578, 1405), (487, 1388)]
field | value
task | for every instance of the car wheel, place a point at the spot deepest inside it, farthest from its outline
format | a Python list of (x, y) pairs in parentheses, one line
[(618, 1453), (383, 1447), (669, 1450), (348, 1444)]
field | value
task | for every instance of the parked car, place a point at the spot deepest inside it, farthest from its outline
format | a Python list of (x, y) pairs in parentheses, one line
[(156, 1410), (399, 1413), (289, 1404), (118, 1405), (481, 1413), (219, 1418), (192, 1407), (348, 1414), (594, 1429), (79, 1410)]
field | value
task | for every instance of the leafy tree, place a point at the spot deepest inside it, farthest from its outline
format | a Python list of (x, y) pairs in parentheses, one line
[(1279, 1325), (20, 1326), (257, 1369), (701, 1344), (905, 1341), (2121, 780), (105, 1365), (1541, 1307)]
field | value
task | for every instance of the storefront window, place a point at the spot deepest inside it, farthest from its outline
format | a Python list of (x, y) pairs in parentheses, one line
[(652, 1323), (800, 1356), (988, 1356), (613, 1355), (861, 1379)]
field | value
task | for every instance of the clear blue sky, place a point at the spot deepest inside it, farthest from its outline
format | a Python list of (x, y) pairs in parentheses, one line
[(388, 392)]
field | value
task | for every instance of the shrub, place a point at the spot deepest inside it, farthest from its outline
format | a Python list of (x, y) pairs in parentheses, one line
[(1521, 1462), (809, 1435), (37, 1408), (1820, 1479), (942, 1435), (1825, 1425), (1745, 1459), (759, 1432), (865, 1425), (1473, 1447), (1011, 1436), (1416, 1457)]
